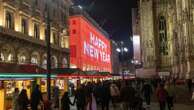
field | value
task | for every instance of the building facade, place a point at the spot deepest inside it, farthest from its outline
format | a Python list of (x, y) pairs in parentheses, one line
[(167, 37), (137, 56), (23, 32), (116, 64)]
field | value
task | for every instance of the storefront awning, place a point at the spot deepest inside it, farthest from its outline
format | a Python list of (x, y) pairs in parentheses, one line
[(20, 68)]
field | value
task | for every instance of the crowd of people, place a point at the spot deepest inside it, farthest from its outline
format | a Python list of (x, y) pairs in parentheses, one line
[(120, 94)]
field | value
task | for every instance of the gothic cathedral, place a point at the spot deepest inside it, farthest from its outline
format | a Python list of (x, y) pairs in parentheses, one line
[(167, 37)]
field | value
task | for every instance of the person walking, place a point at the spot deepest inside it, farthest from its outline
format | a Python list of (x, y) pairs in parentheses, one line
[(162, 96), (23, 100), (91, 102), (127, 95), (147, 92), (56, 97), (171, 96), (36, 98), (189, 84), (80, 98), (105, 96), (65, 102), (115, 94), (15, 99), (124, 96)]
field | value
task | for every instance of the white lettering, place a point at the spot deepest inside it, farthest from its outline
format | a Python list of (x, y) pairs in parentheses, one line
[(96, 49)]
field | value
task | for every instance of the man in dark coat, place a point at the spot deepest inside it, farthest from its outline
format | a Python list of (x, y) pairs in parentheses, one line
[(36, 97), (80, 98), (147, 92), (105, 96)]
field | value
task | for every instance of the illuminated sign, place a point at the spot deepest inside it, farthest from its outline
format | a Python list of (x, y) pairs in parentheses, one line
[(89, 48)]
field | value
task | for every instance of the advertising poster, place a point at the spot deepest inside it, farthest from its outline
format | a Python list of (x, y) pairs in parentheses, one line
[(89, 48)]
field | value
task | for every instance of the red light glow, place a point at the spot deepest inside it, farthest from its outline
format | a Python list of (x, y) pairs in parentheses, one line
[(89, 48)]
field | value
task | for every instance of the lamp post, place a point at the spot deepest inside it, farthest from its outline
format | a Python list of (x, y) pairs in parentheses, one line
[(121, 49), (48, 48)]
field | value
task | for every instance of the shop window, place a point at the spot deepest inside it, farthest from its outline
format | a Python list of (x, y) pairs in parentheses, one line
[(163, 36), (24, 26), (36, 31), (9, 20)]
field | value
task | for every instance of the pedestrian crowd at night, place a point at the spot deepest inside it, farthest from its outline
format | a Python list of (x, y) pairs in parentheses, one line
[(104, 95)]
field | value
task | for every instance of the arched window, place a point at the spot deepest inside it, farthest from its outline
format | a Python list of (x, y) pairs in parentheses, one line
[(64, 63), (2, 58), (9, 20), (21, 59), (54, 62), (163, 36), (34, 60), (44, 63), (10, 57)]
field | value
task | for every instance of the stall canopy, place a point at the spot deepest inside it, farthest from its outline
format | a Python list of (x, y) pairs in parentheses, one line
[(20, 68), (78, 73), (65, 70)]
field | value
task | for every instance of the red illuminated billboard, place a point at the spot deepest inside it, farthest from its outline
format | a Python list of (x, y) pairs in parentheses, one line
[(89, 48)]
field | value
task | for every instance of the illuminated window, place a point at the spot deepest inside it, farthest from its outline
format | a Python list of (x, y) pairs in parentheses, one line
[(10, 58), (163, 36), (55, 38), (34, 60), (36, 31), (24, 26), (64, 63), (22, 59), (64, 42), (54, 62), (9, 20), (44, 64), (2, 58)]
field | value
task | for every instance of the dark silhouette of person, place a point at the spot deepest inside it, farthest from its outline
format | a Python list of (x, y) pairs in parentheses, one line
[(36, 98), (23, 100), (147, 92), (105, 96), (189, 83), (162, 96), (80, 98), (65, 102)]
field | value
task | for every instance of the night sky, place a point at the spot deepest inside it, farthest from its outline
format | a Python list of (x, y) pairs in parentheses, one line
[(114, 16)]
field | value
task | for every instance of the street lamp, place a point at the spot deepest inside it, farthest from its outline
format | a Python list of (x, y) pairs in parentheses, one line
[(48, 47), (122, 49)]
